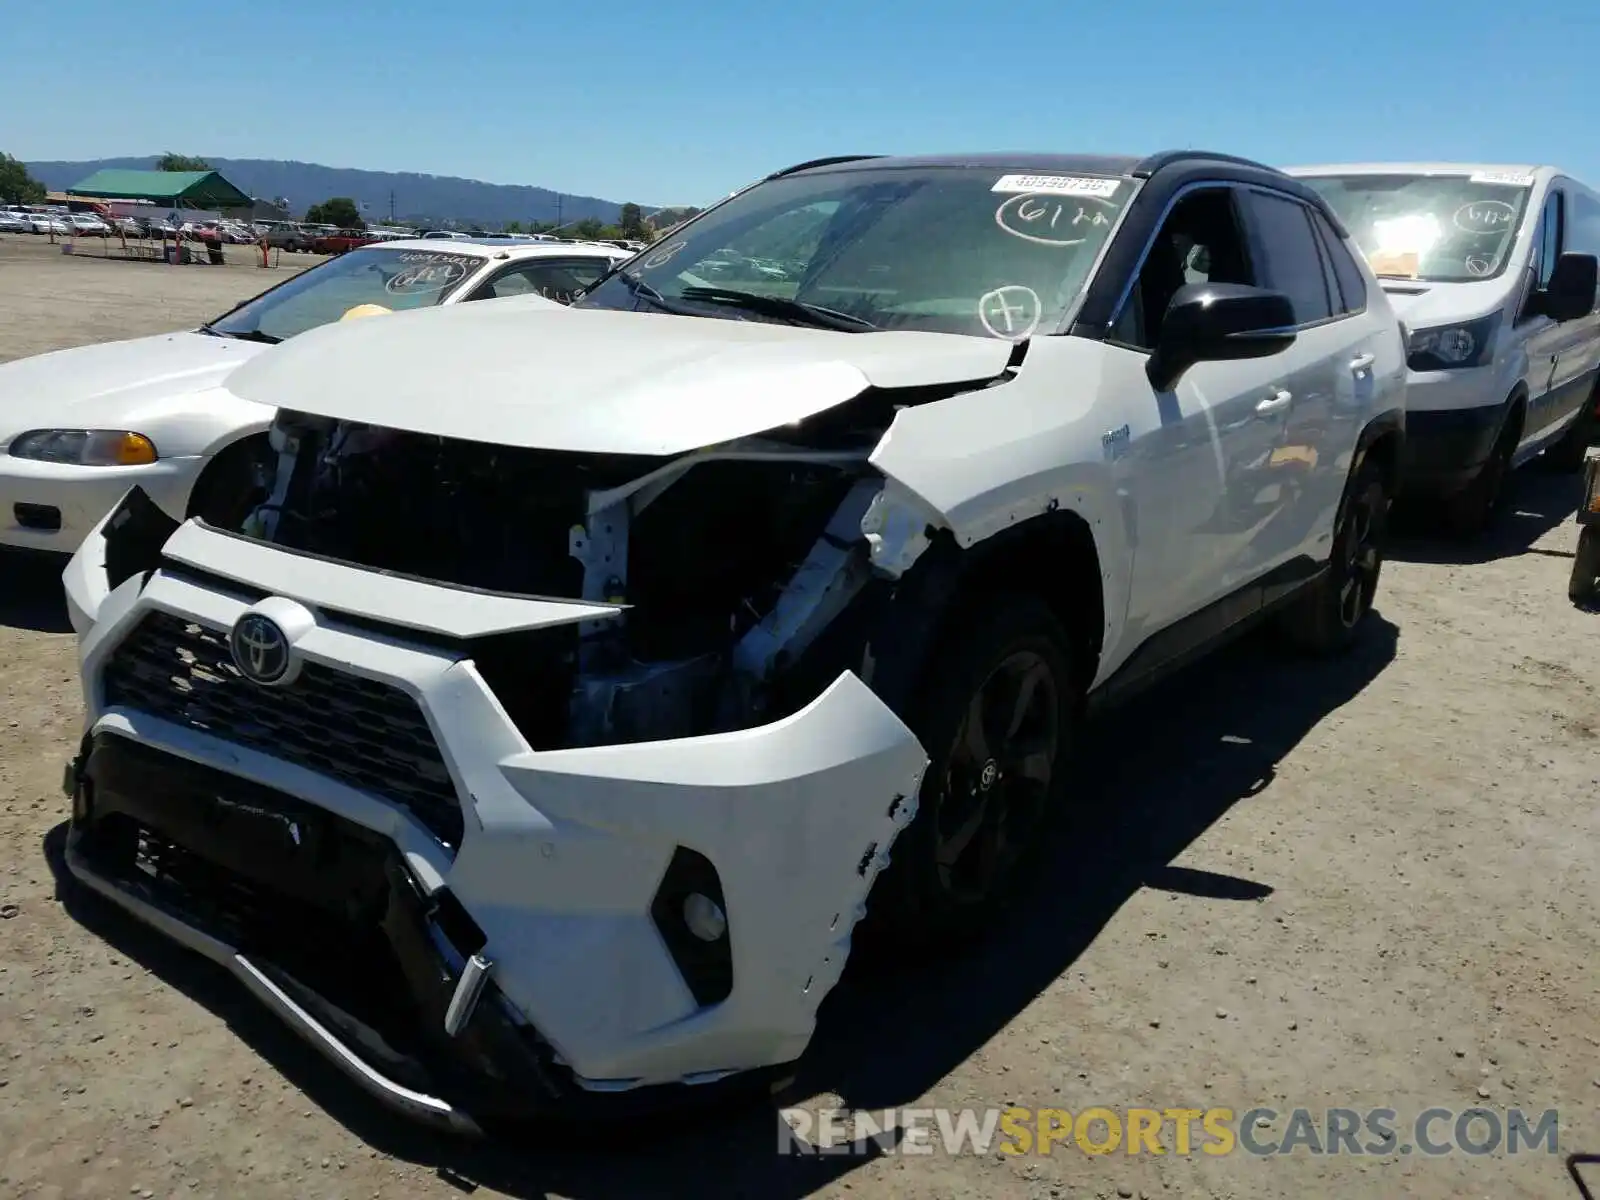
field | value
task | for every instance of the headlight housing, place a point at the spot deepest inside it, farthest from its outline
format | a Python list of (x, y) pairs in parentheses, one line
[(85, 447), (1450, 347)]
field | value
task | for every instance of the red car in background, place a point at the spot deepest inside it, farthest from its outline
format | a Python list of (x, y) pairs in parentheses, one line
[(340, 240)]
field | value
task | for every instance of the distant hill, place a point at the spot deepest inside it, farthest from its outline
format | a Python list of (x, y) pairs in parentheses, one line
[(423, 198)]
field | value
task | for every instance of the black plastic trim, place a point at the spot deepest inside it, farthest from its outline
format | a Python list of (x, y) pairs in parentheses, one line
[(1193, 637), (133, 537), (1163, 159), (707, 967), (831, 161)]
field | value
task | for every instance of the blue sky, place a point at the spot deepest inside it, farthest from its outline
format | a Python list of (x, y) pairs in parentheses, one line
[(666, 102)]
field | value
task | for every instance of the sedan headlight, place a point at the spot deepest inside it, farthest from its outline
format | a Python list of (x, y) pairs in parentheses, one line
[(85, 447), (1446, 347)]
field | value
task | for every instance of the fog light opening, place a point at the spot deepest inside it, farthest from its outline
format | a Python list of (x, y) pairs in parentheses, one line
[(704, 917)]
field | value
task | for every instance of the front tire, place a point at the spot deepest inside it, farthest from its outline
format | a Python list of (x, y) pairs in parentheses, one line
[(1472, 511), (1327, 617), (997, 712)]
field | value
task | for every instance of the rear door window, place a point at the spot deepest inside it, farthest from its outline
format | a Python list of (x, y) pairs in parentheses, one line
[(1290, 261)]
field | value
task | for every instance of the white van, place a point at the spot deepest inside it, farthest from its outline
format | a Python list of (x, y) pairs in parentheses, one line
[(1492, 270)]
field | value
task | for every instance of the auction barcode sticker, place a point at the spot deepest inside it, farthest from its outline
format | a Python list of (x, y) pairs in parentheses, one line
[(1503, 178), (1056, 185)]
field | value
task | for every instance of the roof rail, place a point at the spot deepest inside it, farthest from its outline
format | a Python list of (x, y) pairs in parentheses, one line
[(1166, 158), (822, 162)]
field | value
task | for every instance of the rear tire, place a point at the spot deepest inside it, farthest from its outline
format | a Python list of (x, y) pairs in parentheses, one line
[(997, 712), (1327, 617)]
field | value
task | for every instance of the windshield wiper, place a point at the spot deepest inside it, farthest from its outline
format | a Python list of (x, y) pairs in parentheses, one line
[(639, 287), (780, 306), (248, 335)]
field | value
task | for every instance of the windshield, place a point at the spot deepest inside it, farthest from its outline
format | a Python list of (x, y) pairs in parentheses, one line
[(386, 278), (1439, 228), (944, 249)]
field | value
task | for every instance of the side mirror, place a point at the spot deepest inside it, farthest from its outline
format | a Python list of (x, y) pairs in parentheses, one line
[(1216, 322), (1571, 291)]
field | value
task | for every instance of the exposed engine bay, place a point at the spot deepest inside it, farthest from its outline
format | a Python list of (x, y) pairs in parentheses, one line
[(732, 567)]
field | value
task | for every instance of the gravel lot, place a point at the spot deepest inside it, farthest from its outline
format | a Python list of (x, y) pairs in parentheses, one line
[(1373, 883)]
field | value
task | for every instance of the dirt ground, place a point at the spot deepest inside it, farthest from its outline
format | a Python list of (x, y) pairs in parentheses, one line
[(1366, 884)]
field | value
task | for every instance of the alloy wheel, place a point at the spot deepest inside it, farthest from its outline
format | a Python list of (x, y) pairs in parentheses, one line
[(997, 776), (1362, 557)]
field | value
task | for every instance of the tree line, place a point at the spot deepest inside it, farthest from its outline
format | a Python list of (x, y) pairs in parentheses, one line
[(18, 187)]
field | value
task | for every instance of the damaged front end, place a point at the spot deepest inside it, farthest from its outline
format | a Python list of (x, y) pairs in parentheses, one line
[(571, 781)]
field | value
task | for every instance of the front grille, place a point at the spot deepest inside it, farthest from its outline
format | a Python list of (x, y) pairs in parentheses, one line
[(358, 731)]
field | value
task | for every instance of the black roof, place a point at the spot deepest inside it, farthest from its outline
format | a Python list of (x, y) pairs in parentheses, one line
[(1030, 162)]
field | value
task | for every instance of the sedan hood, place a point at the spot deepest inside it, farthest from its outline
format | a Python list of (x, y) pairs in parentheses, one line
[(113, 385), (594, 381)]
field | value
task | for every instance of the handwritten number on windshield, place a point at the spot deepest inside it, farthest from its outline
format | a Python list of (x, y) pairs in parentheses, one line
[(1048, 220), (1485, 216)]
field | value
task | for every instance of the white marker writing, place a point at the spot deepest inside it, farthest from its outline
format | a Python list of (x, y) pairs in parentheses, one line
[(1050, 221), (1015, 307)]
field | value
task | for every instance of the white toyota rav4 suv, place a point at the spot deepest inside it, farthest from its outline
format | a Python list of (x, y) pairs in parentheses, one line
[(551, 716)]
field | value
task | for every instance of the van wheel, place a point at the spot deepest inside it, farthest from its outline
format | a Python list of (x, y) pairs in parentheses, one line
[(998, 714), (1470, 513), (1328, 615), (1568, 454)]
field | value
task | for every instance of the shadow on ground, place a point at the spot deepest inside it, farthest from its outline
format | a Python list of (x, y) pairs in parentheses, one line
[(30, 592), (1536, 501), (1163, 770)]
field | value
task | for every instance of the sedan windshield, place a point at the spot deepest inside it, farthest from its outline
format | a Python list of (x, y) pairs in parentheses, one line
[(366, 279), (942, 249), (1440, 228)]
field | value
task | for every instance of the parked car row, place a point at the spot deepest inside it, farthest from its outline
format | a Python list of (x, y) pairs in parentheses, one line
[(19, 220), (746, 603)]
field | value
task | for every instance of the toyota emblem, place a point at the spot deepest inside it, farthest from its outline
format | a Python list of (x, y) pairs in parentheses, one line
[(260, 649)]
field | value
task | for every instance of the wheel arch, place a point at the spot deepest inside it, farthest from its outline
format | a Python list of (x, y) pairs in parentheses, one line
[(1517, 408), (220, 459), (1053, 555), (1382, 441)]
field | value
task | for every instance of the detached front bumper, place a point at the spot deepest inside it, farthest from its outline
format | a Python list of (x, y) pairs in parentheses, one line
[(351, 844)]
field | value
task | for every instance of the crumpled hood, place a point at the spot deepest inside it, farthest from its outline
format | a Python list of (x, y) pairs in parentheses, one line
[(115, 385), (595, 381)]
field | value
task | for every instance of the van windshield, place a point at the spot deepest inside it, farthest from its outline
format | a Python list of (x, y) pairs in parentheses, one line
[(1438, 228)]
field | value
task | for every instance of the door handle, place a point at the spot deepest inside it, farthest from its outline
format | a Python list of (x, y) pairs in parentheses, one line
[(1275, 403), (1362, 362)]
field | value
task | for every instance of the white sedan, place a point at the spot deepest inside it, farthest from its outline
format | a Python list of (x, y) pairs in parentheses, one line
[(79, 427), (48, 223)]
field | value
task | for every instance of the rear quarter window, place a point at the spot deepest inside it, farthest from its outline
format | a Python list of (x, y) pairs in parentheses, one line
[(1352, 283)]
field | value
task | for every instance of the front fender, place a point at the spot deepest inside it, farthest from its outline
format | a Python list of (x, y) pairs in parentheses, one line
[(989, 460)]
